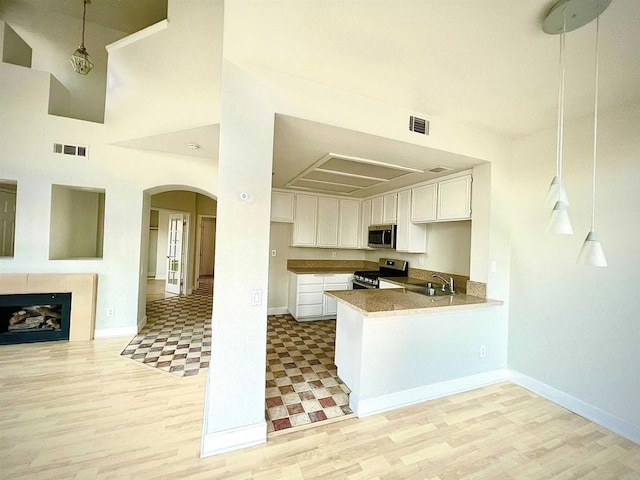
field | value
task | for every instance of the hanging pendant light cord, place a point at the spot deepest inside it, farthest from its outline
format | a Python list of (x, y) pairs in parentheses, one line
[(559, 152), (84, 15), (595, 133)]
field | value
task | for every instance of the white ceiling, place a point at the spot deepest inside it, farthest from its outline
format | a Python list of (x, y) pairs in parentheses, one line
[(183, 142), (483, 63), (124, 15)]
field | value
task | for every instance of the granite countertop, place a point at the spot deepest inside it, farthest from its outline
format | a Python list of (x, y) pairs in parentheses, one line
[(320, 270), (388, 302)]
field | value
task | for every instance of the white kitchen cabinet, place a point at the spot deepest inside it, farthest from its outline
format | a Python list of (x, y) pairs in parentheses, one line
[(454, 198), (410, 237), (305, 219), (327, 222), (365, 221), (442, 201), (389, 209), (282, 207), (424, 202), (349, 223), (376, 210), (307, 300)]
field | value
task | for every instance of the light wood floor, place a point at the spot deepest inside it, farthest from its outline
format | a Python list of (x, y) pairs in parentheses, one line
[(80, 411)]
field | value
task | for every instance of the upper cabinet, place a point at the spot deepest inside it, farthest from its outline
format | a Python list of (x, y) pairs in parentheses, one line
[(445, 200), (326, 222), (282, 207), (454, 198), (410, 237), (365, 221), (383, 209), (304, 225), (349, 224)]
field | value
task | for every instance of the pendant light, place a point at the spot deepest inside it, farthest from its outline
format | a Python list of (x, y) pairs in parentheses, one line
[(80, 58), (591, 252), (557, 192)]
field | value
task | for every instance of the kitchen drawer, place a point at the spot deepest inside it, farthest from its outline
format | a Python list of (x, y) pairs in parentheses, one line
[(310, 279), (310, 298), (311, 288), (310, 310)]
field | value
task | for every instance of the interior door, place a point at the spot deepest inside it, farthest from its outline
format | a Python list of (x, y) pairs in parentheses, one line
[(207, 246), (174, 253)]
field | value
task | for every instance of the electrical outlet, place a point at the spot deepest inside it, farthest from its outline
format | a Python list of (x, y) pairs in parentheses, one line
[(273, 253), (421, 260), (483, 351), (111, 312), (333, 254)]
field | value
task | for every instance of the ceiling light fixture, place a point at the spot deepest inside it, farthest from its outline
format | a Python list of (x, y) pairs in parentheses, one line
[(557, 198), (591, 252), (80, 60), (565, 16)]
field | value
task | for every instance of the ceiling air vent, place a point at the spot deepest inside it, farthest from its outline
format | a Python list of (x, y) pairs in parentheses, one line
[(418, 125), (75, 150)]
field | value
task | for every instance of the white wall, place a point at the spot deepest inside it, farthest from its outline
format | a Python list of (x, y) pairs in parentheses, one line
[(27, 134), (53, 38), (234, 407), (572, 327), (170, 80)]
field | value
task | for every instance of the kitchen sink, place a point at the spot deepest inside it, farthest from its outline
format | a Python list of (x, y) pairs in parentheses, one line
[(437, 292)]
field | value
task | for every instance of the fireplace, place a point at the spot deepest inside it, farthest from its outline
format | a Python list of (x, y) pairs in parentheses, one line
[(34, 317)]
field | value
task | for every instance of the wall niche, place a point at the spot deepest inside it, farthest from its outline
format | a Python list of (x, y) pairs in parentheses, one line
[(77, 222)]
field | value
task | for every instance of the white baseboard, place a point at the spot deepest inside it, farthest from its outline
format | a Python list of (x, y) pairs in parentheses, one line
[(371, 406), (142, 323), (234, 439), (277, 311), (115, 332), (595, 414), (161, 277)]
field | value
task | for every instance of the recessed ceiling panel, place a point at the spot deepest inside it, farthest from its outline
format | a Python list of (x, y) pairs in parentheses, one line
[(339, 178), (323, 187), (363, 168)]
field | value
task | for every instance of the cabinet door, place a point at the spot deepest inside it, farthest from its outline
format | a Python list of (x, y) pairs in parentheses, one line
[(330, 306), (304, 225), (454, 198), (424, 203), (349, 224), (376, 211), (410, 237), (365, 221), (282, 207), (389, 208), (327, 222)]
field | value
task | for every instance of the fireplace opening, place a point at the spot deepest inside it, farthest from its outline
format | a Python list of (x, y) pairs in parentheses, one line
[(34, 317)]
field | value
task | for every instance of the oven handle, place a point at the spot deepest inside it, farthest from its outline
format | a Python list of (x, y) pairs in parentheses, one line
[(363, 285)]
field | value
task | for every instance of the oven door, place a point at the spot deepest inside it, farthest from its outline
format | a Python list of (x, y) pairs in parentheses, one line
[(361, 285)]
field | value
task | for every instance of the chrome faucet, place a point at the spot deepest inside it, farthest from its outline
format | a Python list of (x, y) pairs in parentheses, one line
[(448, 284)]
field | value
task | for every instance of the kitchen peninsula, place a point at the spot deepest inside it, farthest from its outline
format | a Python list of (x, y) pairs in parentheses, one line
[(395, 347)]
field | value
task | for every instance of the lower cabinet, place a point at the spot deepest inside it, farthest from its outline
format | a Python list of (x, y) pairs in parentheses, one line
[(307, 300)]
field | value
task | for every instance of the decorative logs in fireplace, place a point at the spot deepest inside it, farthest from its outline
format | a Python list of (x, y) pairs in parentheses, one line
[(39, 317)]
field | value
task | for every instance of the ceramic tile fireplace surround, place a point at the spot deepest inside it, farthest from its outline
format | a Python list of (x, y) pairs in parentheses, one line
[(82, 287)]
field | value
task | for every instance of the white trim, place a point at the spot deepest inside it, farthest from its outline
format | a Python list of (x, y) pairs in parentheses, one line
[(115, 332), (277, 311), (383, 403), (139, 35), (595, 414), (160, 277), (142, 323), (233, 439)]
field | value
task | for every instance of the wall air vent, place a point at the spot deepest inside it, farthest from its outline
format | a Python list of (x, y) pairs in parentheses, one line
[(75, 150), (418, 125)]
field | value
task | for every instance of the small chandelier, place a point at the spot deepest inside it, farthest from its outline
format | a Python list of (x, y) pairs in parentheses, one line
[(80, 60)]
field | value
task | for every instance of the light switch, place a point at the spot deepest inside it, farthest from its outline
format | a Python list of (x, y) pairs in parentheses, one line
[(256, 297)]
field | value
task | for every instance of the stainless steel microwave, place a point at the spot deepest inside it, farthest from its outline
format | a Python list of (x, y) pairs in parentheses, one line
[(382, 236)]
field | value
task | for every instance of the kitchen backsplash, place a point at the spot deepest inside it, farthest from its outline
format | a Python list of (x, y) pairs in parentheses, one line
[(341, 264)]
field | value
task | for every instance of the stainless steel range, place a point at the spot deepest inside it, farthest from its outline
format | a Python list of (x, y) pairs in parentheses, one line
[(387, 267)]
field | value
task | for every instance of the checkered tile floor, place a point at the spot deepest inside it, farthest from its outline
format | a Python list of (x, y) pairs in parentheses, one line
[(302, 385), (177, 337), (302, 382)]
